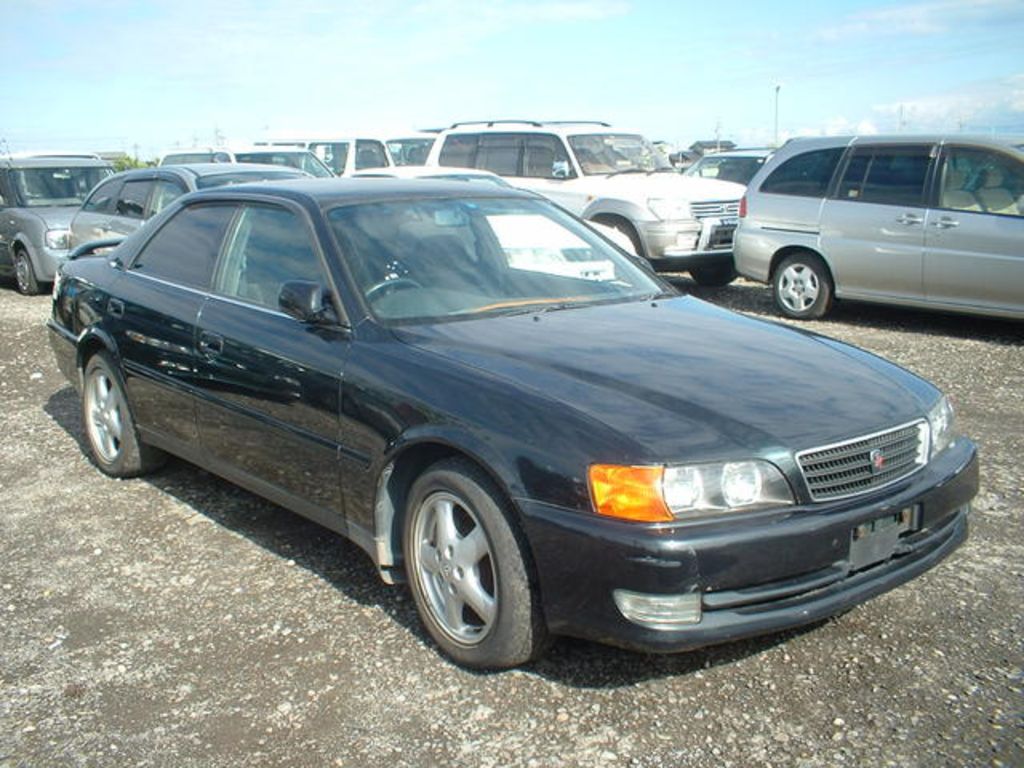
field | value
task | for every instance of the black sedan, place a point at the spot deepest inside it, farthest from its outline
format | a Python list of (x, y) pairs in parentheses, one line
[(510, 413)]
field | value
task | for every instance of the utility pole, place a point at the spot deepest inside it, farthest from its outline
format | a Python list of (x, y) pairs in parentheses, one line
[(778, 87)]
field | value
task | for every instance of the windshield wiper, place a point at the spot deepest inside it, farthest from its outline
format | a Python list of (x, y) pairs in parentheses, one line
[(626, 170)]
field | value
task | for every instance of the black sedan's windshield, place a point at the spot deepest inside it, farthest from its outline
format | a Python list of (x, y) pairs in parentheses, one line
[(433, 259)]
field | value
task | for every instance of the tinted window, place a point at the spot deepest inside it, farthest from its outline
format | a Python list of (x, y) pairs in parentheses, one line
[(460, 150), (267, 247), (805, 175), (132, 200), (982, 181), (102, 198), (886, 175), (542, 154), (500, 153), (370, 154), (185, 249), (164, 192)]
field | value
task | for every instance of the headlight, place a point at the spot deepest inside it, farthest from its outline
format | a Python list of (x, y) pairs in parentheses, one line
[(58, 239), (940, 417), (666, 493), (669, 210)]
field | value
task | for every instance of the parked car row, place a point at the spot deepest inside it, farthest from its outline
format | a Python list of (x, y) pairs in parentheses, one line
[(506, 411)]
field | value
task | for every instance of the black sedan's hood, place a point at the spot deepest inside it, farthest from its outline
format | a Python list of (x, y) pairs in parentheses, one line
[(681, 372)]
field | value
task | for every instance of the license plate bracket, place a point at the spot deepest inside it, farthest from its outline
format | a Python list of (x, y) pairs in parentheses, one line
[(875, 541)]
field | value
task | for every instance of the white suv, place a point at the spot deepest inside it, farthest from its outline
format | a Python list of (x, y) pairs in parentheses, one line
[(611, 177)]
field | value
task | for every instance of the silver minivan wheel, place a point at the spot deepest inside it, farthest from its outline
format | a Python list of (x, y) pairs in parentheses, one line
[(25, 274), (799, 287), (802, 286)]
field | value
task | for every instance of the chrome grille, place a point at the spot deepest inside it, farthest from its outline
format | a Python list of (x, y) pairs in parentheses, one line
[(864, 463), (720, 209)]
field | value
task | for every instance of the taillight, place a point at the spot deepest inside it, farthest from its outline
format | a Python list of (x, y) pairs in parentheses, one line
[(743, 207)]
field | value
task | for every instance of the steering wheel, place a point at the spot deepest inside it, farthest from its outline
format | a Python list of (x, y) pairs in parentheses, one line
[(387, 286)]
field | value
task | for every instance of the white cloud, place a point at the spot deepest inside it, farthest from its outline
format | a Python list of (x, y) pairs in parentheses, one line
[(982, 106), (925, 19)]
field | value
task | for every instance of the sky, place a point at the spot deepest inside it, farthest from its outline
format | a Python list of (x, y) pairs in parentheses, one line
[(143, 77)]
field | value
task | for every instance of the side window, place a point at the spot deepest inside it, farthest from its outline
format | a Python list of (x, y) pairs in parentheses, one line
[(163, 192), (370, 154), (545, 154), (500, 153), (805, 175), (982, 181), (886, 175), (102, 198), (268, 247), (185, 249), (333, 153), (132, 200), (460, 150)]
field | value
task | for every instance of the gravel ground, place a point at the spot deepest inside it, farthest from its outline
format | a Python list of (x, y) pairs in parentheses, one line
[(176, 620)]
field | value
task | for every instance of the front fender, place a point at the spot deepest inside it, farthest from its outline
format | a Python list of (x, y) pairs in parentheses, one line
[(614, 207)]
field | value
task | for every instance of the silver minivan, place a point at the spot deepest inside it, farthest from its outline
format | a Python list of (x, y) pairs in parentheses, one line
[(924, 221)]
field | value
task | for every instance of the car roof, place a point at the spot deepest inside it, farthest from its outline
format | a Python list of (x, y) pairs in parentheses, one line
[(562, 127), (189, 171), (327, 193), (53, 161), (1005, 141), (738, 153)]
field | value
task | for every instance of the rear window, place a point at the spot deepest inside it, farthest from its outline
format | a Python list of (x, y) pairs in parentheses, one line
[(804, 175)]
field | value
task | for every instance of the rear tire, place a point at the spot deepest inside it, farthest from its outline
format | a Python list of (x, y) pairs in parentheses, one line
[(467, 569), (802, 286), (109, 426), (25, 274)]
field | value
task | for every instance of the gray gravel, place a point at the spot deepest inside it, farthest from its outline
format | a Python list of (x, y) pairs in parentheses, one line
[(176, 620)]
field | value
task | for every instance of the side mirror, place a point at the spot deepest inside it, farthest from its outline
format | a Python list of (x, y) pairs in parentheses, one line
[(94, 248), (560, 169), (306, 302)]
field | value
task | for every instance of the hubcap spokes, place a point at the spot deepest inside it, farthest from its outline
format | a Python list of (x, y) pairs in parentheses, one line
[(455, 568), (104, 415), (798, 287)]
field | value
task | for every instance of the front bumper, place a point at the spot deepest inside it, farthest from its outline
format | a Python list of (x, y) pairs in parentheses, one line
[(682, 245), (756, 574)]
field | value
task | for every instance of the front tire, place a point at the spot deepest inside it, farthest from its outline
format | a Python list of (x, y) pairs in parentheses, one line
[(467, 570), (113, 440), (714, 277), (25, 274), (802, 286)]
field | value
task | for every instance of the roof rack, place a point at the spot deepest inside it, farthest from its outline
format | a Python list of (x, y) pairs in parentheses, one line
[(490, 123), (534, 123), (54, 155)]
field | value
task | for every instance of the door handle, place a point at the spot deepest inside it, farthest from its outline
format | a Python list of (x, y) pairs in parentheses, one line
[(115, 308), (947, 223), (210, 344), (909, 219)]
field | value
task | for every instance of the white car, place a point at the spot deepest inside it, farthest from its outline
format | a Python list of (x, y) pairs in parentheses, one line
[(412, 148), (344, 156), (611, 177)]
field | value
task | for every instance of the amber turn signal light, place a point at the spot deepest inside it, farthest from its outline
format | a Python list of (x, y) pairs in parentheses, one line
[(629, 493)]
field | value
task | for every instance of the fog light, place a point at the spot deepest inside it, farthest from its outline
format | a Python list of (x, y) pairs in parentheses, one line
[(662, 612)]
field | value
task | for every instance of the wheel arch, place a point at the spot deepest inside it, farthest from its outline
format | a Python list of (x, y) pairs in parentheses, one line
[(783, 253), (92, 341), (407, 462)]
